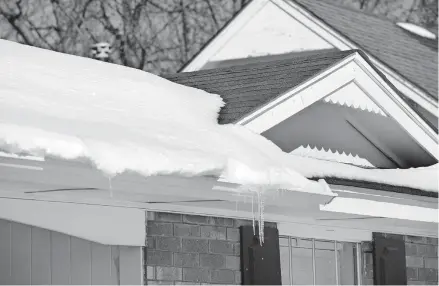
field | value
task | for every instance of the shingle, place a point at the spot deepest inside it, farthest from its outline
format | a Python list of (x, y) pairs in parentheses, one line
[(245, 88), (415, 58)]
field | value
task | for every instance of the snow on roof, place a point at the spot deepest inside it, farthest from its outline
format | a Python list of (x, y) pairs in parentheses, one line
[(425, 178), (124, 119)]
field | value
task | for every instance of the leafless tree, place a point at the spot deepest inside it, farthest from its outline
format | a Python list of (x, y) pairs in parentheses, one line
[(153, 35)]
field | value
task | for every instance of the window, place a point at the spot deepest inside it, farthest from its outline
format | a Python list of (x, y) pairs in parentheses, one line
[(318, 262)]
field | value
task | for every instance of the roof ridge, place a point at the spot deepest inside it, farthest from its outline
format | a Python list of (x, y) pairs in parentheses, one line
[(348, 8)]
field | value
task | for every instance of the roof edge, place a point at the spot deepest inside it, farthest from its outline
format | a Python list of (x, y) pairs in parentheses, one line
[(377, 186)]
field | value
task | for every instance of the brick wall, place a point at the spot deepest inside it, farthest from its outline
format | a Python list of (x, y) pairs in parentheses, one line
[(186, 249), (421, 260)]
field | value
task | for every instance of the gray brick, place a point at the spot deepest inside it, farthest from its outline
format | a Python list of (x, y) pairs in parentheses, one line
[(427, 250), (195, 219), (195, 245), (150, 242), (415, 239), (222, 276), (430, 263), (237, 249), (186, 259), (432, 240), (222, 247), (213, 232), (196, 275), (220, 221), (169, 217), (156, 282), (168, 243), (213, 261), (411, 249), (428, 275), (156, 257), (241, 222), (238, 277), (413, 261), (160, 228), (185, 283), (150, 272), (412, 273), (232, 262), (186, 230), (233, 234), (168, 273)]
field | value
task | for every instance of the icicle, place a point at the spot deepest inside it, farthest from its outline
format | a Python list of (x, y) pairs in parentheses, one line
[(110, 187), (261, 216)]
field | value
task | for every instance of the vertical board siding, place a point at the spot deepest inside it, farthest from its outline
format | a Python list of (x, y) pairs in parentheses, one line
[(100, 264), (5, 252), (115, 262), (21, 254), (60, 258), (30, 255), (130, 258), (40, 257), (80, 251)]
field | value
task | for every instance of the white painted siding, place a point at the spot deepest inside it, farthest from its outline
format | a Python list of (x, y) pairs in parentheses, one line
[(271, 31), (31, 255)]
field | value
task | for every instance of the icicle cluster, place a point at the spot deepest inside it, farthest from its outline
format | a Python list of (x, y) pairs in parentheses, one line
[(260, 210)]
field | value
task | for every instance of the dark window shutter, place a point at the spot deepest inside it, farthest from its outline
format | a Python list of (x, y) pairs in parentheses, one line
[(389, 261), (260, 264)]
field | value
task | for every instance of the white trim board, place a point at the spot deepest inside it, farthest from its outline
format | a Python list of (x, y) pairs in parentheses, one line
[(319, 28), (107, 225), (353, 68)]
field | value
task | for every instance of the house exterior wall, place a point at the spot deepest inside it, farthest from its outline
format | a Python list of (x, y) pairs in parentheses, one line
[(32, 255), (188, 249), (421, 259)]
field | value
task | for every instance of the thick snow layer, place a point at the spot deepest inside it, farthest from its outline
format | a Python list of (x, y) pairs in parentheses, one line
[(125, 119), (419, 178)]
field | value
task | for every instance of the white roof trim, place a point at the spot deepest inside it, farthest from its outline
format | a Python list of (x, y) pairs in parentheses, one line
[(331, 156), (321, 29), (102, 224), (352, 69), (381, 209)]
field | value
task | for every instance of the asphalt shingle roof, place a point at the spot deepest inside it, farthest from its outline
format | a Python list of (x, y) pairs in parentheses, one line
[(413, 57), (248, 87)]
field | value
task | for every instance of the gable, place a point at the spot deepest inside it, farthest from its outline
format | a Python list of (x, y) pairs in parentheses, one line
[(344, 106), (270, 25), (240, 39), (348, 108)]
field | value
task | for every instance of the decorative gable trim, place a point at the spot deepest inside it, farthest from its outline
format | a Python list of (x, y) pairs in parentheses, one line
[(343, 43), (352, 69)]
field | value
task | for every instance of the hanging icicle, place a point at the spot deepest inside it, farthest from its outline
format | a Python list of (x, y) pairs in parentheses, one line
[(110, 186)]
